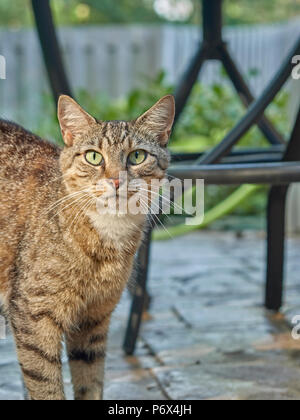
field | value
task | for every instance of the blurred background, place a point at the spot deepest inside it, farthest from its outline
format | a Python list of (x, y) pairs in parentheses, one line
[(121, 56)]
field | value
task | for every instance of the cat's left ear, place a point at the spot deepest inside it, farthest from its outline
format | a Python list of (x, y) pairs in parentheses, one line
[(159, 120), (74, 121)]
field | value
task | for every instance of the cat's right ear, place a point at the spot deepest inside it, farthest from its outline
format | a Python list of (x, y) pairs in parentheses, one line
[(158, 121), (73, 120)]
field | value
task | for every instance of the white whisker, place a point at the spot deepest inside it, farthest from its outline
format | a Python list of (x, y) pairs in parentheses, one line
[(83, 195), (164, 198), (158, 219), (84, 207), (65, 198)]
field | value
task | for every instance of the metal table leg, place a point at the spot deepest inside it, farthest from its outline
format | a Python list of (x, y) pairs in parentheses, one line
[(140, 297), (275, 247)]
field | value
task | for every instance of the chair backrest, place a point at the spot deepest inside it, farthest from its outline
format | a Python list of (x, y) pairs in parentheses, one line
[(255, 111)]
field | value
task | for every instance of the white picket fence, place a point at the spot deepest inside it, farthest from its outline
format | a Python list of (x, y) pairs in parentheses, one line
[(115, 59)]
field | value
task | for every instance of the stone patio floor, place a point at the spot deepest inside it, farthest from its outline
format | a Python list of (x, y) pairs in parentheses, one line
[(207, 335)]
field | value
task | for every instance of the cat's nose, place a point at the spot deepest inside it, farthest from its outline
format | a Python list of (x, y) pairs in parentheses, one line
[(116, 182)]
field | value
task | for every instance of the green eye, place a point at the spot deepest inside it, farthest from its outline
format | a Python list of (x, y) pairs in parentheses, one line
[(137, 157), (94, 158)]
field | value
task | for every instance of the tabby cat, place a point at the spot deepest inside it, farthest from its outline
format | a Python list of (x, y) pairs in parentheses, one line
[(63, 264)]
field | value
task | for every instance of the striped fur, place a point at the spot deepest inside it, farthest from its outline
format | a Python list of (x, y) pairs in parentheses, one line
[(60, 278)]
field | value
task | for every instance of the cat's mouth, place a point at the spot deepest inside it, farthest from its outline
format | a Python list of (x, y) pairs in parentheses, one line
[(118, 194)]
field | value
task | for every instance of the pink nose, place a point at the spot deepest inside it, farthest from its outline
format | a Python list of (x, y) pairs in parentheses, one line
[(117, 183)]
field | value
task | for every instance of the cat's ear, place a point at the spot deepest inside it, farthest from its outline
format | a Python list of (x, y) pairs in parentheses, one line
[(73, 120), (159, 120)]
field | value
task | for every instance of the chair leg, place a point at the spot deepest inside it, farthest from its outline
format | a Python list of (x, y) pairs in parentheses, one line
[(141, 299), (276, 242)]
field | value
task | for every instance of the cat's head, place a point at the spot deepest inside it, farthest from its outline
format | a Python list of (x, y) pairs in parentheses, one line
[(98, 155)]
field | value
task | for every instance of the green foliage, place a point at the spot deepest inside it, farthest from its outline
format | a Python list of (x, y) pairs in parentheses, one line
[(104, 11), (211, 113), (260, 11), (17, 13)]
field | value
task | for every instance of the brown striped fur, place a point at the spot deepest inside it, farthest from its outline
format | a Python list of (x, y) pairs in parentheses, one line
[(60, 277)]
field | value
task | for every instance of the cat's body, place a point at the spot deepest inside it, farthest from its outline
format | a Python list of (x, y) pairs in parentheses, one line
[(63, 266)]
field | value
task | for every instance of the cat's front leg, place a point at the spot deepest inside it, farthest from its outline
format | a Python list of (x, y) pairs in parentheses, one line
[(86, 351), (38, 340)]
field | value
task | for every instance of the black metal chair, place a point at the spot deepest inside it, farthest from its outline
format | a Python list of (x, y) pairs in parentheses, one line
[(277, 166)]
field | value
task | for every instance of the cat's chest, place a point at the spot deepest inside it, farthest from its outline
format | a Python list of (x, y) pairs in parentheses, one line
[(100, 275), (119, 232), (104, 254)]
